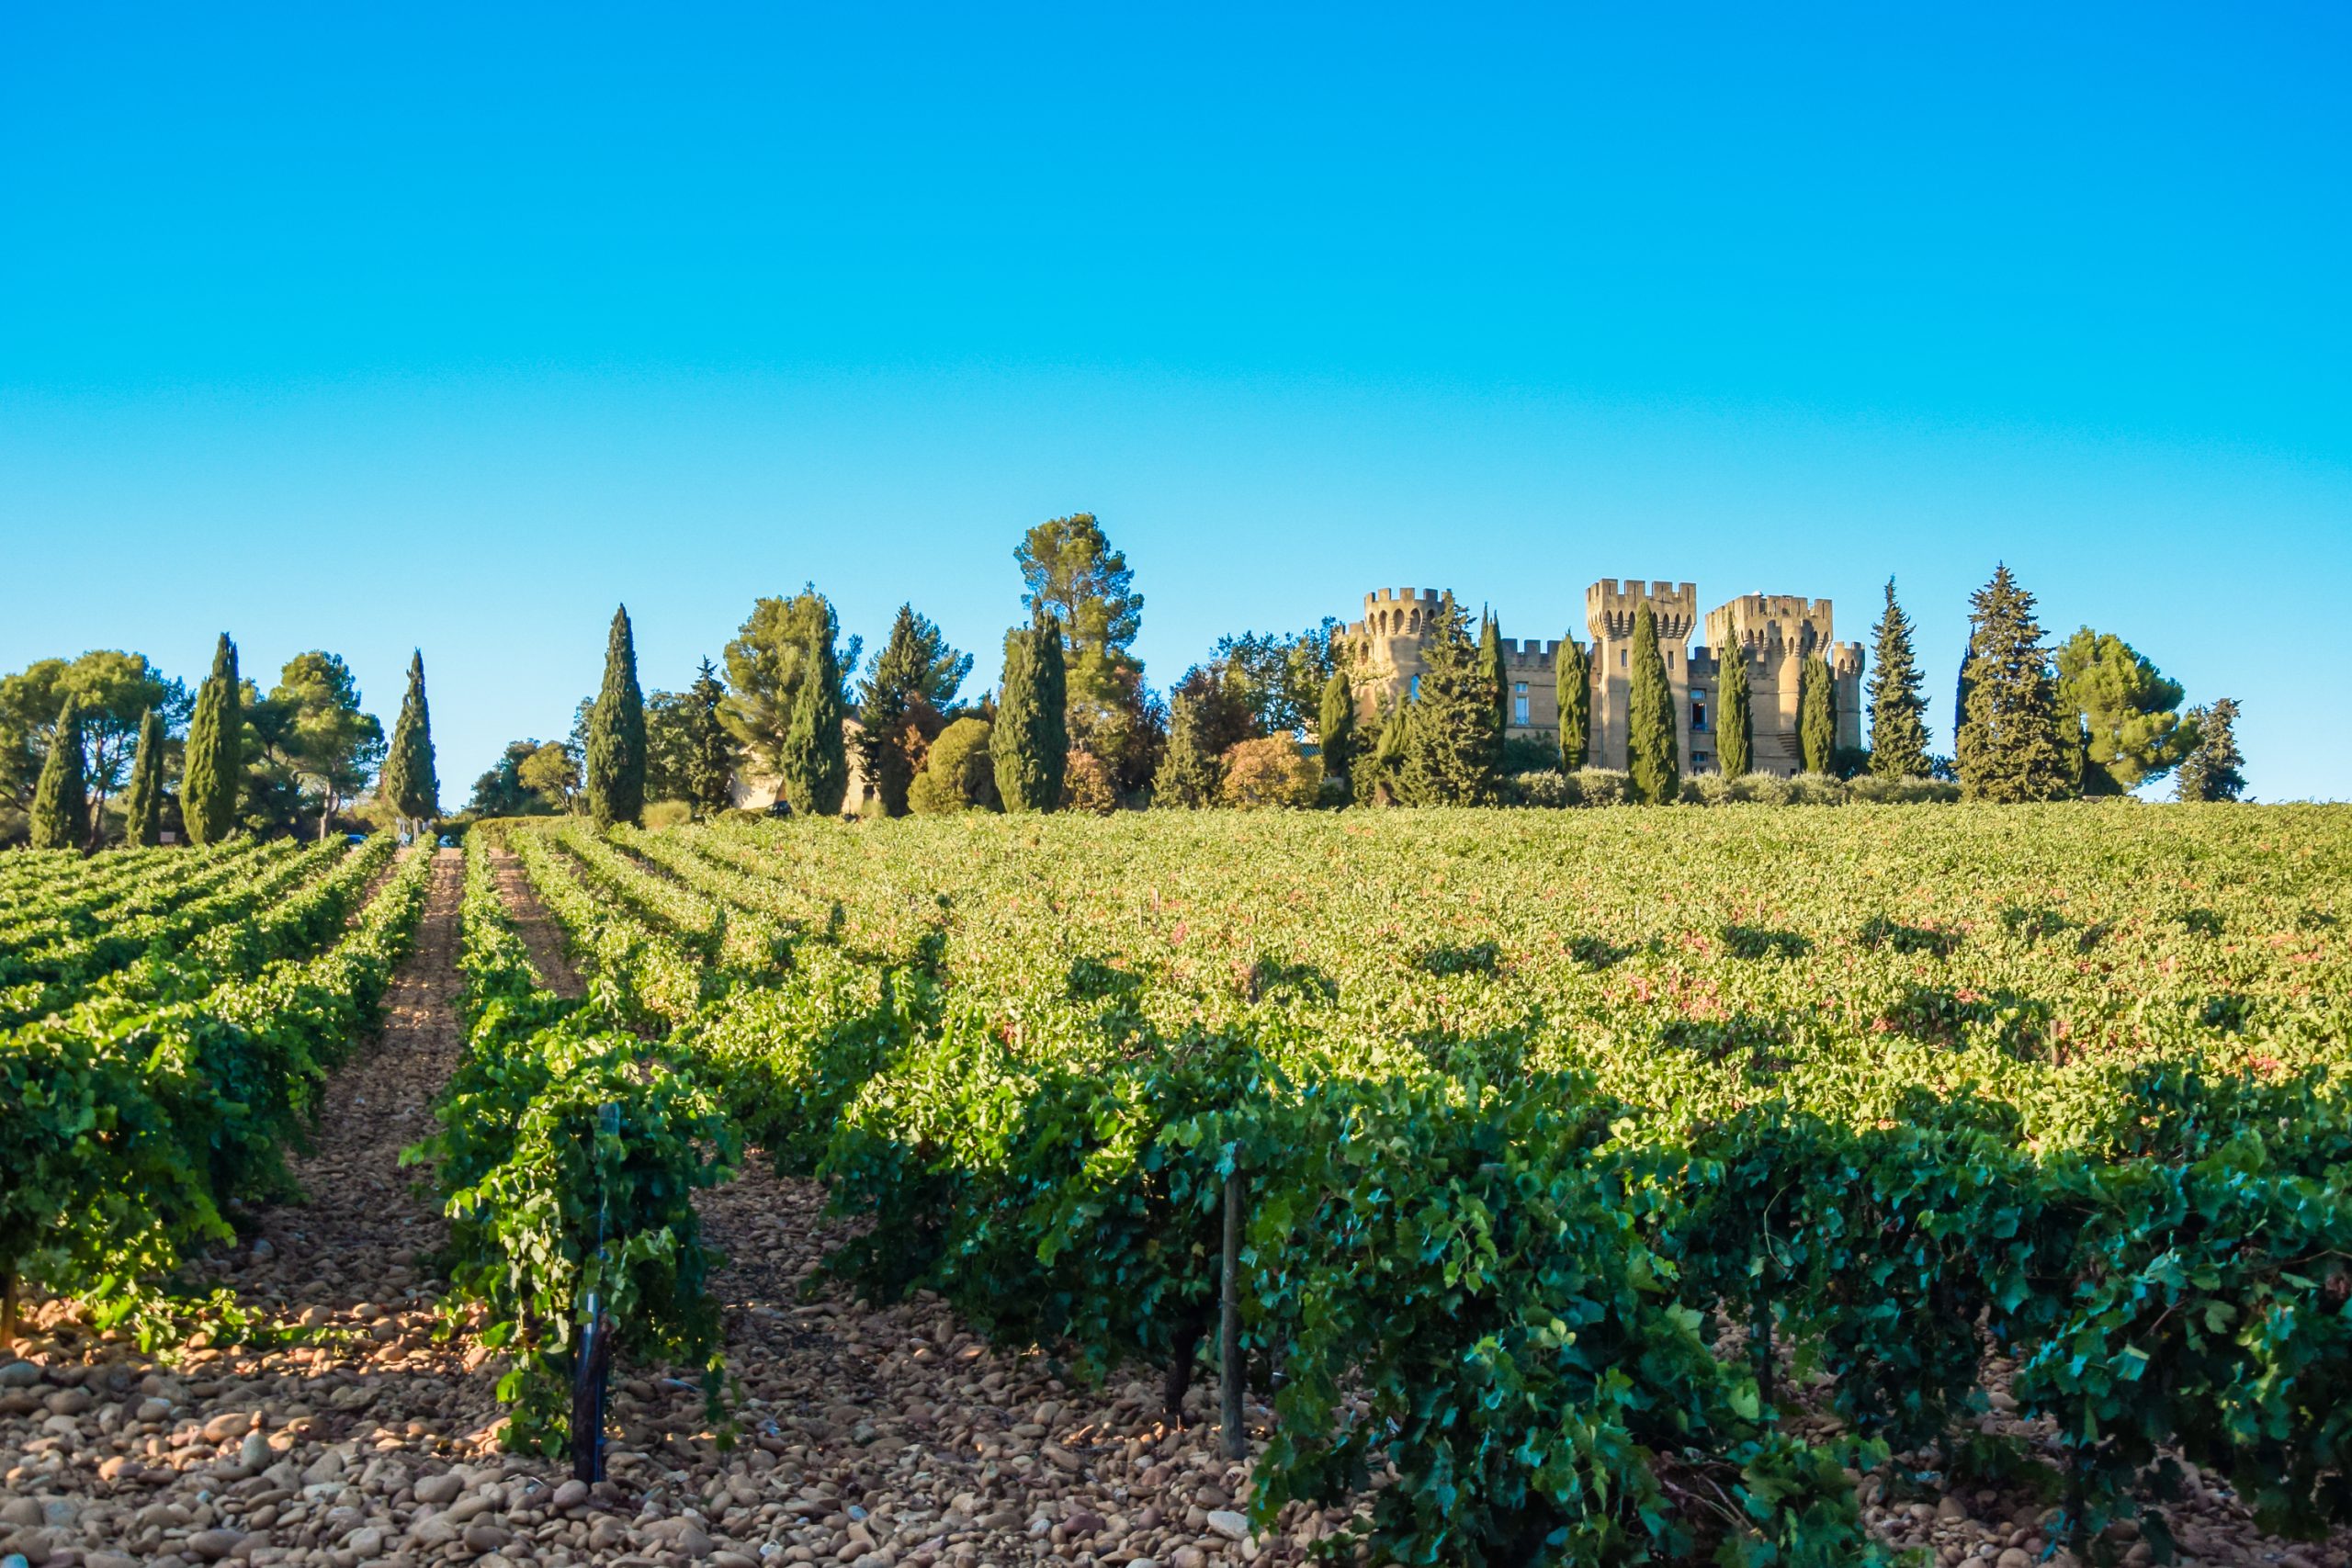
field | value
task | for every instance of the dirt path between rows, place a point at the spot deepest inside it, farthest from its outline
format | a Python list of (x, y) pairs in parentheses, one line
[(540, 935)]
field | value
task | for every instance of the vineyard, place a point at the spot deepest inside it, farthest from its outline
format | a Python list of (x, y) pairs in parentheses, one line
[(1606, 1192), (1629, 1187), (169, 1019)]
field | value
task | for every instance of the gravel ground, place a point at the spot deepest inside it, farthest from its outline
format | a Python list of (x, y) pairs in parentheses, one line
[(868, 1438)]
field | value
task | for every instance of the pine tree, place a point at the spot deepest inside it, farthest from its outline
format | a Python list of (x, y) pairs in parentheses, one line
[(616, 786), (1191, 773), (2214, 769), (1652, 754), (2010, 745), (1572, 679), (1898, 713), (1816, 715), (711, 755), (1493, 671), (1735, 712), (1030, 743), (60, 814), (885, 698), (215, 763), (143, 806), (1453, 743), (1335, 731), (409, 784), (815, 754)]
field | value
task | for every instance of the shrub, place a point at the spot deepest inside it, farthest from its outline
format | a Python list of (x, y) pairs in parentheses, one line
[(1816, 789), (1086, 785), (1600, 786), (1272, 771), (669, 814), (1741, 789), (1539, 786), (1875, 791), (959, 774), (1537, 753)]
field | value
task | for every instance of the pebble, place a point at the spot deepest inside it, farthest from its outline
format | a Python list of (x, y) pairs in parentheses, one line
[(1228, 1524), (213, 1544)]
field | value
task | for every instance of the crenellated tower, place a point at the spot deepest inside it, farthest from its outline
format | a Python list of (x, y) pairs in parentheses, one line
[(1610, 610), (1776, 632)]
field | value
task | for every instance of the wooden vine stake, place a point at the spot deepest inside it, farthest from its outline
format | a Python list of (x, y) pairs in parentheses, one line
[(8, 1308), (592, 1365), (1229, 1370)]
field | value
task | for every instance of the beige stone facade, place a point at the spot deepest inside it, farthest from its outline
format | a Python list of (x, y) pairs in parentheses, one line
[(1774, 633)]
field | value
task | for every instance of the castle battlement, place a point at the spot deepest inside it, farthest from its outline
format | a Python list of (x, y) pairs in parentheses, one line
[(1770, 634), (1764, 621), (1396, 612), (1532, 653), (1609, 608)]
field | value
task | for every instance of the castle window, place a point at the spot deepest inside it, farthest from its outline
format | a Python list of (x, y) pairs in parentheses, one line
[(1519, 703), (1414, 689), (1698, 759), (1698, 715)]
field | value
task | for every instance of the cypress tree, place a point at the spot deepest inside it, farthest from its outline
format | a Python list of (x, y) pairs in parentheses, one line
[(143, 808), (1898, 713), (815, 755), (1387, 756), (616, 786), (1735, 713), (1960, 695), (1190, 773), (1053, 709), (2010, 745), (2214, 769), (1335, 729), (800, 759), (1816, 715), (1572, 678), (215, 763), (409, 784), (710, 756), (1492, 670), (60, 814), (1452, 744), (1651, 752), (1031, 742)]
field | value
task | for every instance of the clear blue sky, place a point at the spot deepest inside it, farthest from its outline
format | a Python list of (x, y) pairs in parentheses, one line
[(373, 327)]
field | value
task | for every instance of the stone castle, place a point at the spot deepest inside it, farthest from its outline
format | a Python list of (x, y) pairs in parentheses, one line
[(1773, 632)]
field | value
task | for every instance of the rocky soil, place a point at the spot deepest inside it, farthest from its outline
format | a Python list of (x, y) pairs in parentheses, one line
[(878, 1438)]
